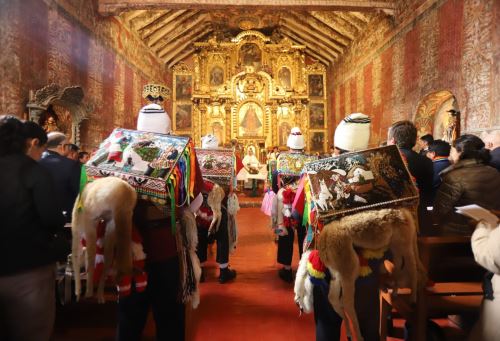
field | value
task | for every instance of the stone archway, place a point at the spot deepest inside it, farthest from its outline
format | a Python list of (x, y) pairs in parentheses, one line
[(438, 114)]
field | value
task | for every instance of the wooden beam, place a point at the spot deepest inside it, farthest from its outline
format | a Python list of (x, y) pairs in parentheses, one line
[(331, 20), (325, 45), (312, 42), (114, 7), (311, 49), (189, 49), (148, 20), (312, 54), (318, 29), (181, 44), (182, 55), (127, 16), (178, 33), (153, 37), (351, 20)]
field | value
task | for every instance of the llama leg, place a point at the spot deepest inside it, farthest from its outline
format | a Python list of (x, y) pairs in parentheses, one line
[(90, 240), (109, 246), (123, 241), (75, 255), (335, 297), (348, 290)]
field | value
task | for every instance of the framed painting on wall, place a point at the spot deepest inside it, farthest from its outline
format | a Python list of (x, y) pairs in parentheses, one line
[(316, 116), (284, 130), (316, 85), (216, 76), (251, 118), (317, 141), (182, 117), (183, 87), (250, 55)]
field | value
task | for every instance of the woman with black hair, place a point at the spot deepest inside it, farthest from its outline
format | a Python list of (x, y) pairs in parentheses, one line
[(469, 180), (30, 218), (36, 140)]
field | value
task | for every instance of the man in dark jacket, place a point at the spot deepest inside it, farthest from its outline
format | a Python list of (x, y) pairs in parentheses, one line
[(439, 151), (65, 172), (404, 135)]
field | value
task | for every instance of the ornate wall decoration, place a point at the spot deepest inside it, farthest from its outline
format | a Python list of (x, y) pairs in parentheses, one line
[(477, 61), (52, 101), (252, 89)]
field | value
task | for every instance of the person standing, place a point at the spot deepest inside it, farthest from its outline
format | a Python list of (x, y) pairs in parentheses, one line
[(352, 134), (204, 218), (30, 218), (160, 246), (65, 172), (404, 135)]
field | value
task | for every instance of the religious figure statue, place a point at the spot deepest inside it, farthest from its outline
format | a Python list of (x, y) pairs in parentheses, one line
[(49, 120), (452, 130)]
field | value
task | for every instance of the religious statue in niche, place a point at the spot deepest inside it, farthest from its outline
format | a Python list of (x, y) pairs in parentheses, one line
[(316, 116), (183, 87), (317, 141), (316, 85), (216, 76), (57, 118), (284, 131), (251, 120), (250, 55), (285, 77), (183, 117), (49, 120)]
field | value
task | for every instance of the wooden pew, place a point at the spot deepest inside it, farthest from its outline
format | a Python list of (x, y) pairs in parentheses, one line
[(457, 289)]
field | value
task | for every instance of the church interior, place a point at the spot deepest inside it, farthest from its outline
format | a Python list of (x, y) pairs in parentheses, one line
[(249, 72)]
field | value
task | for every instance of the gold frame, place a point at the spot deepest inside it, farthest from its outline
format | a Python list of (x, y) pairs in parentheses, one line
[(179, 71)]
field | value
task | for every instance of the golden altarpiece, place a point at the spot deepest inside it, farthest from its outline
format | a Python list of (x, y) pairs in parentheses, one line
[(252, 90)]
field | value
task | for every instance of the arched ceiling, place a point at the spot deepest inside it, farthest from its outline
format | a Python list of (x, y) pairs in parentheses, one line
[(170, 31)]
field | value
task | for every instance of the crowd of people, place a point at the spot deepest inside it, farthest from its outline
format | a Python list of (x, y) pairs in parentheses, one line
[(40, 181)]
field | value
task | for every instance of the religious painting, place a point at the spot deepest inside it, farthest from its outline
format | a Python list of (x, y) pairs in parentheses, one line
[(250, 55), (218, 131), (283, 132), (251, 120), (316, 116), (183, 87), (316, 85), (317, 141), (361, 180), (183, 117), (285, 77), (216, 76)]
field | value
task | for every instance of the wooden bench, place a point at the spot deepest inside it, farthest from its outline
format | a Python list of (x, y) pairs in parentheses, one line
[(457, 288)]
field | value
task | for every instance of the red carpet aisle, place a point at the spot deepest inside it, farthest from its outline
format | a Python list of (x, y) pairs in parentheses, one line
[(257, 305)]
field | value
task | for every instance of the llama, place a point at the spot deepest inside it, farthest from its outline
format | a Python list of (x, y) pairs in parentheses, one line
[(112, 200), (393, 228)]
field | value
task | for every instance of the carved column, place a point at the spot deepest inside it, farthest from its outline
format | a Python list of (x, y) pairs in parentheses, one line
[(274, 123)]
